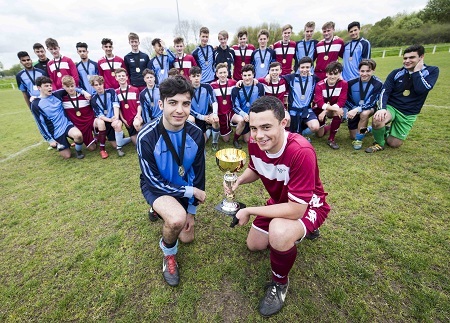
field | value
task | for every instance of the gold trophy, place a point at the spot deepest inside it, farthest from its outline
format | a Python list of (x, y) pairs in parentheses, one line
[(230, 160)]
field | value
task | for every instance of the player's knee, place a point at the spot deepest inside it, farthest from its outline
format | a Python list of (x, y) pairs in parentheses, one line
[(394, 142)]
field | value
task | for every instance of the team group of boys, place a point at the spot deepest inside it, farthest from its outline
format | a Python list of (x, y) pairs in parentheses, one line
[(214, 89)]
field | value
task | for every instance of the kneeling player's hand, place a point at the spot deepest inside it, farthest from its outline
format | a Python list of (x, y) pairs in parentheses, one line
[(244, 216), (352, 113), (199, 195)]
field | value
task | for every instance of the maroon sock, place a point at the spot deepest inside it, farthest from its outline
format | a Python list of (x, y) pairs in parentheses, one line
[(326, 129), (281, 263), (102, 139), (236, 137), (334, 126)]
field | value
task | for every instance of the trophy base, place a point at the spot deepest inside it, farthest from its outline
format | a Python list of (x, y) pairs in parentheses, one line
[(219, 207)]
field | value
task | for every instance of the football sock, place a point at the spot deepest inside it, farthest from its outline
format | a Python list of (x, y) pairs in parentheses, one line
[(126, 141), (102, 139), (307, 132), (378, 135), (215, 136), (334, 126), (359, 136), (119, 139), (168, 250), (281, 263), (236, 137), (78, 146), (294, 123)]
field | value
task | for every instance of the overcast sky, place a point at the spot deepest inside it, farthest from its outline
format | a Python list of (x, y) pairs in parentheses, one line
[(25, 22)]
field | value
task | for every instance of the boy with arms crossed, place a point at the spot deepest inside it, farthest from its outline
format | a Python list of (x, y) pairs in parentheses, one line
[(204, 56), (200, 113), (222, 90), (242, 98), (297, 206), (173, 175), (52, 122), (106, 108), (363, 95), (330, 96), (130, 107)]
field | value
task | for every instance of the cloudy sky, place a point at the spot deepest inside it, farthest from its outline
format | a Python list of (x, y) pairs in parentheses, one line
[(25, 22)]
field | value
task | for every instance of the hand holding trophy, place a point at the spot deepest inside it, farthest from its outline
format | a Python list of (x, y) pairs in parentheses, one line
[(230, 161)]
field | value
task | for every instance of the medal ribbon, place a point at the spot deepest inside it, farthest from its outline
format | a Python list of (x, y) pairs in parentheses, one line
[(77, 105), (362, 92), (247, 96), (165, 135), (329, 96), (303, 89), (32, 79), (353, 50), (307, 49), (124, 98)]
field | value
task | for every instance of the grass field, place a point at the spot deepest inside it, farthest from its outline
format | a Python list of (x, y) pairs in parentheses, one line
[(76, 244)]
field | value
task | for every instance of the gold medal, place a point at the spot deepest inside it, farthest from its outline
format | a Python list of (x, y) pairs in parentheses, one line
[(113, 74), (243, 64), (59, 74), (181, 72), (181, 170), (284, 60), (78, 113), (127, 105), (350, 58), (325, 57), (138, 69), (406, 92), (224, 101)]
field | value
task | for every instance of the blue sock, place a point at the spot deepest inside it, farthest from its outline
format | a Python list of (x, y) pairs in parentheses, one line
[(119, 139), (215, 135), (78, 147), (307, 132), (359, 136), (168, 251)]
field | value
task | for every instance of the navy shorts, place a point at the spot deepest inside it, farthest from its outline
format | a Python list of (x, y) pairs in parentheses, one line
[(62, 140)]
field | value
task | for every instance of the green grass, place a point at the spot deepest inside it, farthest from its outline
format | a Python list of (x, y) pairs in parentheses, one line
[(76, 244)]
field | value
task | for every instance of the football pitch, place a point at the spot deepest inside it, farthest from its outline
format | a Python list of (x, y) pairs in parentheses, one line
[(76, 243)]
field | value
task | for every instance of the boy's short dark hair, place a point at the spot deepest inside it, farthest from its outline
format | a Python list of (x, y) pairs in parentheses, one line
[(107, 41), (173, 71), (415, 48), (368, 62), (133, 36), (204, 30), (264, 32), (156, 41), (274, 64), (248, 67), (328, 24), (96, 78), (195, 70), (148, 71), (333, 67), (43, 80), (81, 45), (305, 59), (22, 54), (353, 24), (172, 86), (268, 103), (241, 33), (51, 43), (38, 46), (178, 40)]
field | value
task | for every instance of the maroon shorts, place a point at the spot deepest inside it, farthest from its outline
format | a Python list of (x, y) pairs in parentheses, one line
[(312, 219), (224, 122)]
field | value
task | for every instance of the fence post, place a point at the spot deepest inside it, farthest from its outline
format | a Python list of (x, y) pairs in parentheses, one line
[(400, 53), (434, 49), (384, 53), (13, 87)]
